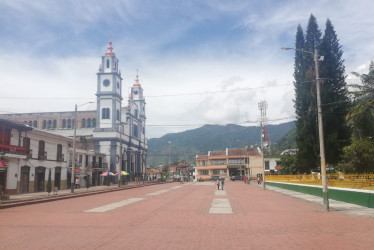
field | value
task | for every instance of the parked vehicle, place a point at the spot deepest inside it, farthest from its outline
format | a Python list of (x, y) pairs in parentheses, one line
[(236, 178)]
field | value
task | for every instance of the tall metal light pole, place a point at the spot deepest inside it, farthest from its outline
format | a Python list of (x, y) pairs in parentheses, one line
[(72, 180), (169, 156), (263, 106), (320, 128)]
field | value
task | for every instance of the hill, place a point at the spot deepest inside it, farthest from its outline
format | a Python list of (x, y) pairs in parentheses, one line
[(186, 145)]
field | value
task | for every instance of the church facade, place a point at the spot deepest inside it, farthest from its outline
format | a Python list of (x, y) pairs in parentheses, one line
[(114, 130)]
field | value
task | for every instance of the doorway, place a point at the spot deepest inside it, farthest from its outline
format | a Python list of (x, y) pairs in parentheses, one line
[(58, 177), (39, 179), (25, 178)]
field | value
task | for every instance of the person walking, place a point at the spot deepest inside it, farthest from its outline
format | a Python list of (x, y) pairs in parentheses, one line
[(218, 183), (222, 183), (245, 179)]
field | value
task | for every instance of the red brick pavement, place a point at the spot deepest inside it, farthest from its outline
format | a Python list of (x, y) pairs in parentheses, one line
[(179, 219)]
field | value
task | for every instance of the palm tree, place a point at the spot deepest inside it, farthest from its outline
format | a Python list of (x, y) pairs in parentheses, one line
[(361, 114)]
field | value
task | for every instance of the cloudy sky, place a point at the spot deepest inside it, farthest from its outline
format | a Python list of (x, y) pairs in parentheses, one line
[(199, 61)]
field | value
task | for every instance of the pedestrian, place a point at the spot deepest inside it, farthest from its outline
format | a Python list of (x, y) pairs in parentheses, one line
[(245, 179), (77, 182), (218, 182), (222, 183), (258, 180)]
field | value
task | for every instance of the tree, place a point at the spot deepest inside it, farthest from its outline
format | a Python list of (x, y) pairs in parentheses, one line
[(334, 96), (305, 103), (288, 164), (49, 183), (88, 180), (359, 156), (361, 115)]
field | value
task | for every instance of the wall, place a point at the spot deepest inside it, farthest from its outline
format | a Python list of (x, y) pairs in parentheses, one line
[(355, 196)]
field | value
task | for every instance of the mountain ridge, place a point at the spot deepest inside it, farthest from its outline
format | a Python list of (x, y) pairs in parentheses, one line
[(187, 144)]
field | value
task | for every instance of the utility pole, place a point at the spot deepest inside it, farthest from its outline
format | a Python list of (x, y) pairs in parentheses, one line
[(320, 127), (72, 180), (263, 106), (321, 139), (119, 171)]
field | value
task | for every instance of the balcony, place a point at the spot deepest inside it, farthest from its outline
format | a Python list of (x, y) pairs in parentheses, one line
[(9, 149), (42, 155), (29, 153), (60, 157)]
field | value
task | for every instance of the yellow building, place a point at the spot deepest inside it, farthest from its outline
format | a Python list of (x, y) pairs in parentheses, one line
[(234, 163)]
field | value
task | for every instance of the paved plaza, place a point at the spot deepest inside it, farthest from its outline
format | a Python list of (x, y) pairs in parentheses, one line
[(187, 216)]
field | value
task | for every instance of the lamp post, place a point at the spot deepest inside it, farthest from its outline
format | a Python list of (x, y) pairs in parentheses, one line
[(72, 181), (320, 127), (169, 155)]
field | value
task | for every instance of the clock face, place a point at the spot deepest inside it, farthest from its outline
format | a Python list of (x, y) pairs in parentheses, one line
[(135, 92)]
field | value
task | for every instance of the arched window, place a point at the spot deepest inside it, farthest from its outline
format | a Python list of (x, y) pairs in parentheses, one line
[(118, 117), (105, 113), (107, 63), (83, 123), (94, 122), (136, 113), (69, 123), (63, 123), (54, 123), (49, 123), (89, 123), (30, 123), (35, 124), (44, 124)]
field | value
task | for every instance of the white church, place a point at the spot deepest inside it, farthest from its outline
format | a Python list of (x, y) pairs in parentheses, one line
[(110, 138)]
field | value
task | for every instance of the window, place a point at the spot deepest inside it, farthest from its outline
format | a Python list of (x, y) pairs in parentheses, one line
[(30, 123), (94, 122), (44, 124), (236, 161), (26, 145), (41, 153), (69, 123), (54, 123), (117, 85), (136, 113), (219, 171), (89, 123), (118, 118), (59, 153), (105, 113), (49, 123), (204, 172), (135, 131), (35, 124), (106, 82), (219, 162), (83, 123), (267, 165), (107, 63), (63, 123)]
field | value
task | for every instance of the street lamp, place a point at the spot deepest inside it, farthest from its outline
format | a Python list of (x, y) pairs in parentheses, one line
[(72, 181), (169, 155), (320, 127)]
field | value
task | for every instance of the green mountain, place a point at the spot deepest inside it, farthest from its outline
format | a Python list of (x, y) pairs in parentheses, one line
[(186, 145)]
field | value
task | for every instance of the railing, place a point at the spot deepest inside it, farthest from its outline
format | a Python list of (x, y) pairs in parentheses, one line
[(12, 149), (60, 157), (42, 155), (355, 181)]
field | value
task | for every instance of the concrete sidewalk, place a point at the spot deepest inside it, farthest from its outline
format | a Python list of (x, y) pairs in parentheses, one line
[(38, 197), (347, 208)]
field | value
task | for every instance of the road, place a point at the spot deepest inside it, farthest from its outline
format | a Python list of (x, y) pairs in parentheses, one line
[(183, 216)]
